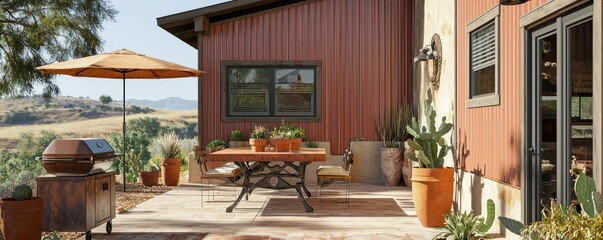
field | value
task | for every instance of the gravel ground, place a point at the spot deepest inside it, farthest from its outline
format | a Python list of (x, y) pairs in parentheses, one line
[(135, 194)]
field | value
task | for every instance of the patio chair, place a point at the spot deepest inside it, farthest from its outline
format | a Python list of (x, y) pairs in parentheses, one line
[(228, 171), (325, 175)]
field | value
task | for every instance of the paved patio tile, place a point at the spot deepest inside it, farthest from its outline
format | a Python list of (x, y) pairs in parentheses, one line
[(375, 212)]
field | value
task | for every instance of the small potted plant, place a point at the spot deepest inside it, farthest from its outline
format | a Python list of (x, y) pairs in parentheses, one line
[(216, 145), (257, 138), (169, 148), (237, 139), (281, 137), (22, 215), (149, 176), (297, 134), (432, 183)]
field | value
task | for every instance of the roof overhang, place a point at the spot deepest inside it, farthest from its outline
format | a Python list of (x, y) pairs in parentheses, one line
[(182, 25)]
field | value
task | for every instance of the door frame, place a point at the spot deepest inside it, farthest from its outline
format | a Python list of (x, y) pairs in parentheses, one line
[(531, 183)]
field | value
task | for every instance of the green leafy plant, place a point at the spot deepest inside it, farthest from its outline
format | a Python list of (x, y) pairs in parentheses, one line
[(22, 192), (465, 225), (311, 144), (564, 222), (237, 135), (135, 165), (169, 145), (297, 132), (392, 130), (259, 132), (428, 142), (216, 144), (54, 235)]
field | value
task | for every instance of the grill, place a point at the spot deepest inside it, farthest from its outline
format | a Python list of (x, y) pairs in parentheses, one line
[(77, 156)]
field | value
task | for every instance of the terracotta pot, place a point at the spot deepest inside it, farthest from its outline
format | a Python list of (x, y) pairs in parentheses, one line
[(295, 143), (170, 171), (257, 144), (391, 166), (432, 190), (22, 219), (281, 144), (407, 166), (149, 178)]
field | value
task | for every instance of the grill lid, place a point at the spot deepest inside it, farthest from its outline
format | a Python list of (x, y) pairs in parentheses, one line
[(79, 148)]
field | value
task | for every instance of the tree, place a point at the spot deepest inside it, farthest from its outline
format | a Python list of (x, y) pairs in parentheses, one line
[(105, 99), (39, 32)]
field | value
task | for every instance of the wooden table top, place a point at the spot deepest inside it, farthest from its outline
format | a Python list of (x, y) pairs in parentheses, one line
[(244, 154)]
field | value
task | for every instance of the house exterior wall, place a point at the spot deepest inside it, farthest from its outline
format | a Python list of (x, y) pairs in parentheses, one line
[(489, 138), (364, 49)]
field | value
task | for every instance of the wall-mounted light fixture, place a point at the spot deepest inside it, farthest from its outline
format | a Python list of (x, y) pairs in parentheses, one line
[(512, 2), (432, 55)]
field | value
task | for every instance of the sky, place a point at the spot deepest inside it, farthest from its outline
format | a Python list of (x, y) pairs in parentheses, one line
[(135, 28)]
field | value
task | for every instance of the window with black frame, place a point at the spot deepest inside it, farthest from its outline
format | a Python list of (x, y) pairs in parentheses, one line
[(270, 91)]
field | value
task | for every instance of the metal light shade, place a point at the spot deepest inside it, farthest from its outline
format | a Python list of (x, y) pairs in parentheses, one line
[(422, 55), (512, 2), (432, 55)]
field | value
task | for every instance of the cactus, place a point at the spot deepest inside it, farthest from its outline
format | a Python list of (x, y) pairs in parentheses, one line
[(590, 200), (22, 192), (513, 225), (428, 142), (489, 217)]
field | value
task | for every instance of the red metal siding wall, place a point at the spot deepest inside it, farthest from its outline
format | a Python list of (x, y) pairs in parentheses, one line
[(489, 138), (365, 49)]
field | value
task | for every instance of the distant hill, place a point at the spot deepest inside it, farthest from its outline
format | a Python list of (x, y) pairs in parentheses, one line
[(171, 103)]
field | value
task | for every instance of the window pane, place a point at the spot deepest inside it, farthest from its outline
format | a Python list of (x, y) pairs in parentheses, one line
[(248, 91), (294, 92), (483, 81)]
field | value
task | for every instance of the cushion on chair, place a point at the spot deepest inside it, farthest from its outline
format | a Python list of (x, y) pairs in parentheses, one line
[(331, 171), (224, 170)]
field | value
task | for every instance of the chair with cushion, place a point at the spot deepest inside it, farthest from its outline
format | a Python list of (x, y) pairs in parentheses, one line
[(228, 171), (325, 175)]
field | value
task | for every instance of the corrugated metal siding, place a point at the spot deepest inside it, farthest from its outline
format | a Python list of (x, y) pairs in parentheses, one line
[(489, 138), (365, 49)]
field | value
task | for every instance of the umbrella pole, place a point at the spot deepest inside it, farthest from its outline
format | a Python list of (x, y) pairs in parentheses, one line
[(124, 131)]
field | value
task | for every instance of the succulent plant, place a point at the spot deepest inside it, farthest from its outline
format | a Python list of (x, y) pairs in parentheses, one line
[(428, 142), (590, 200), (169, 145), (22, 192), (466, 225)]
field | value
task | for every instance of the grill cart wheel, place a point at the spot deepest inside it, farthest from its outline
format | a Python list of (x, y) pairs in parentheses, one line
[(109, 227), (89, 235)]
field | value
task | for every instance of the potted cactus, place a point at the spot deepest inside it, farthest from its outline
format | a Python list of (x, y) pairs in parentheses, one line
[(237, 139), (22, 215), (257, 138), (149, 175), (432, 183), (169, 148)]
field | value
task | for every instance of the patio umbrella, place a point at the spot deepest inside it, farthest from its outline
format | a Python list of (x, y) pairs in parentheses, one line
[(120, 64)]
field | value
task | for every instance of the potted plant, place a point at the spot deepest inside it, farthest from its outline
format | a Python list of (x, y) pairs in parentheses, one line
[(257, 138), (297, 135), (237, 139), (392, 132), (215, 145), (149, 175), (281, 137), (22, 216), (432, 183), (169, 148)]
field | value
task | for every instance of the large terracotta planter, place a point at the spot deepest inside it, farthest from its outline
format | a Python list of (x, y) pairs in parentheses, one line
[(281, 144), (407, 166), (257, 144), (170, 171), (149, 179), (22, 219), (391, 166), (295, 144), (432, 190)]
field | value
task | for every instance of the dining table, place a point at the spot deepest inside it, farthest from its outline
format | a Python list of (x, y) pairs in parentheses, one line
[(276, 170)]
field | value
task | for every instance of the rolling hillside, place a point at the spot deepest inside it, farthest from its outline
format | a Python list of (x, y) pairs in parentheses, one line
[(171, 103), (73, 117)]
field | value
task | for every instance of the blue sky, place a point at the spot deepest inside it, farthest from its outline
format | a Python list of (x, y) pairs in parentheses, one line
[(135, 28)]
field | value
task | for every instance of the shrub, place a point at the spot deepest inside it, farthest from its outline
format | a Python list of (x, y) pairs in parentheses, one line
[(133, 109), (216, 144), (237, 135), (20, 117)]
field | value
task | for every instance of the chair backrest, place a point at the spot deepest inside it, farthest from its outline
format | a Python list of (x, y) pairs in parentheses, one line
[(348, 160), (201, 157)]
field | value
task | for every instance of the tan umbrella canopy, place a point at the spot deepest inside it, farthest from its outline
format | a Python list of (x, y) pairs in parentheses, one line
[(120, 64)]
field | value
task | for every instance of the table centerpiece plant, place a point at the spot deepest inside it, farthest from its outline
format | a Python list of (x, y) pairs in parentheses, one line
[(258, 138), (237, 139), (432, 183)]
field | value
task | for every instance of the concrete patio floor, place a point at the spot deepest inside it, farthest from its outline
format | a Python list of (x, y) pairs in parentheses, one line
[(375, 212)]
